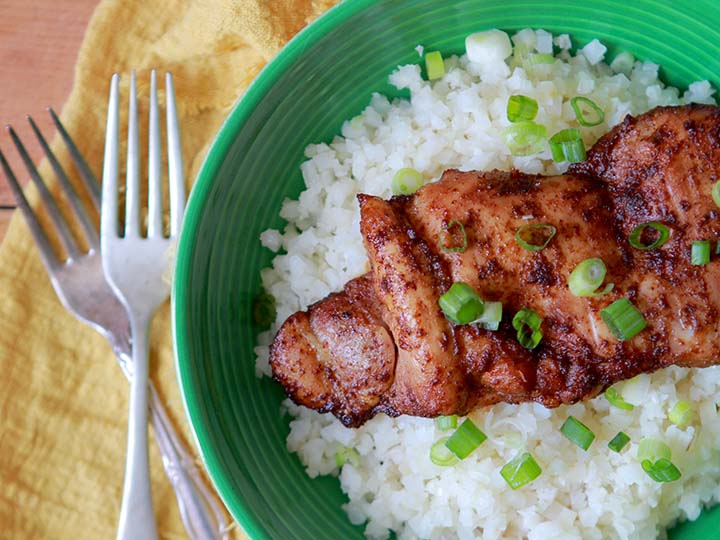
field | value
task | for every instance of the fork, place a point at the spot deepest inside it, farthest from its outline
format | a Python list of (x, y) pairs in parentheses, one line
[(134, 265), (80, 284)]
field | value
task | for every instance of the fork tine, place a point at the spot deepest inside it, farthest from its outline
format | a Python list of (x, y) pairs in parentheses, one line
[(46, 251), (175, 160), (132, 192), (61, 225), (88, 177), (154, 173), (68, 189), (109, 210)]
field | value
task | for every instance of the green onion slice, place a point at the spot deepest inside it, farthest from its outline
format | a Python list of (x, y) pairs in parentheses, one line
[(458, 242), (618, 442), (596, 113), (406, 181), (577, 432), (264, 311), (513, 439), (461, 304), (538, 59), (527, 323), (661, 470), (587, 278), (465, 439), (623, 319), (521, 108), (525, 138), (616, 400), (441, 455), (653, 449), (444, 423), (535, 236), (635, 237), (716, 192), (567, 145), (434, 65), (700, 252), (717, 249), (344, 454), (681, 414), (491, 317), (521, 470)]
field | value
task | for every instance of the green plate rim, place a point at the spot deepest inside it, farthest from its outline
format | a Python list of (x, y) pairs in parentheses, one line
[(199, 194)]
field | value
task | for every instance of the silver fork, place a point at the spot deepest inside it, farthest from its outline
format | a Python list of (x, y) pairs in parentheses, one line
[(134, 265), (80, 285)]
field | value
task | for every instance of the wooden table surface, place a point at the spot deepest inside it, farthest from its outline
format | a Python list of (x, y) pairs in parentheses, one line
[(39, 42)]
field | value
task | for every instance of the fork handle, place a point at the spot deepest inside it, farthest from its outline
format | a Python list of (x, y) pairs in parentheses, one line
[(200, 513), (137, 517)]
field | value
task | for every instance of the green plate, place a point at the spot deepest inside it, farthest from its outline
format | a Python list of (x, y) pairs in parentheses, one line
[(323, 76)]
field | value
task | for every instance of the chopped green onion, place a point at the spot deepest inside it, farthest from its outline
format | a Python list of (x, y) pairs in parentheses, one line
[(717, 249), (716, 192), (681, 414), (700, 252), (653, 449), (538, 59), (618, 442), (521, 49), (521, 108), (616, 400), (623, 319), (443, 423), (583, 120), (434, 65), (635, 237), (521, 470), (264, 311), (577, 432), (513, 439), (587, 278), (527, 323), (654, 456), (465, 439), (525, 138), (455, 246), (538, 236), (441, 455), (461, 304), (406, 182), (567, 145), (491, 317), (661, 470), (344, 455)]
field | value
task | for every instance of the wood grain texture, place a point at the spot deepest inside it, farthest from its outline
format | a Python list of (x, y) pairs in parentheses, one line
[(39, 42)]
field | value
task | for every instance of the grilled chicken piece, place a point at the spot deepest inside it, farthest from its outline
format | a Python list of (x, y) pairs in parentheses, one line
[(661, 166), (339, 355), (383, 345)]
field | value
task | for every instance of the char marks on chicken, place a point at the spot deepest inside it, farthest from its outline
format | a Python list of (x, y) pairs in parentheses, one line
[(382, 344)]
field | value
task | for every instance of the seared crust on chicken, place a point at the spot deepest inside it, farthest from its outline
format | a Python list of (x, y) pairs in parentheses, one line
[(384, 345), (338, 355), (661, 166)]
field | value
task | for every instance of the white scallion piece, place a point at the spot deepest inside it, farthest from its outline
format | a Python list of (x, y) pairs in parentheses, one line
[(489, 46)]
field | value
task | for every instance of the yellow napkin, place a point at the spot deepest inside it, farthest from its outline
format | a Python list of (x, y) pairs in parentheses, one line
[(63, 400)]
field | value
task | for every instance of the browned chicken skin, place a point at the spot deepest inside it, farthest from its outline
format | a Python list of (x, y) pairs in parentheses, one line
[(383, 344)]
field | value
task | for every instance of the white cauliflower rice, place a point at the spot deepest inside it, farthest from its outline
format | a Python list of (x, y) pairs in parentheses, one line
[(457, 122)]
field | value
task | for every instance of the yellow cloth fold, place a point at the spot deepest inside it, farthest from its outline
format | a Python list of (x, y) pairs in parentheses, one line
[(63, 400)]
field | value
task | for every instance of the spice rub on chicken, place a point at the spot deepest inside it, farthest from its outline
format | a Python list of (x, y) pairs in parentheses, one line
[(383, 344)]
